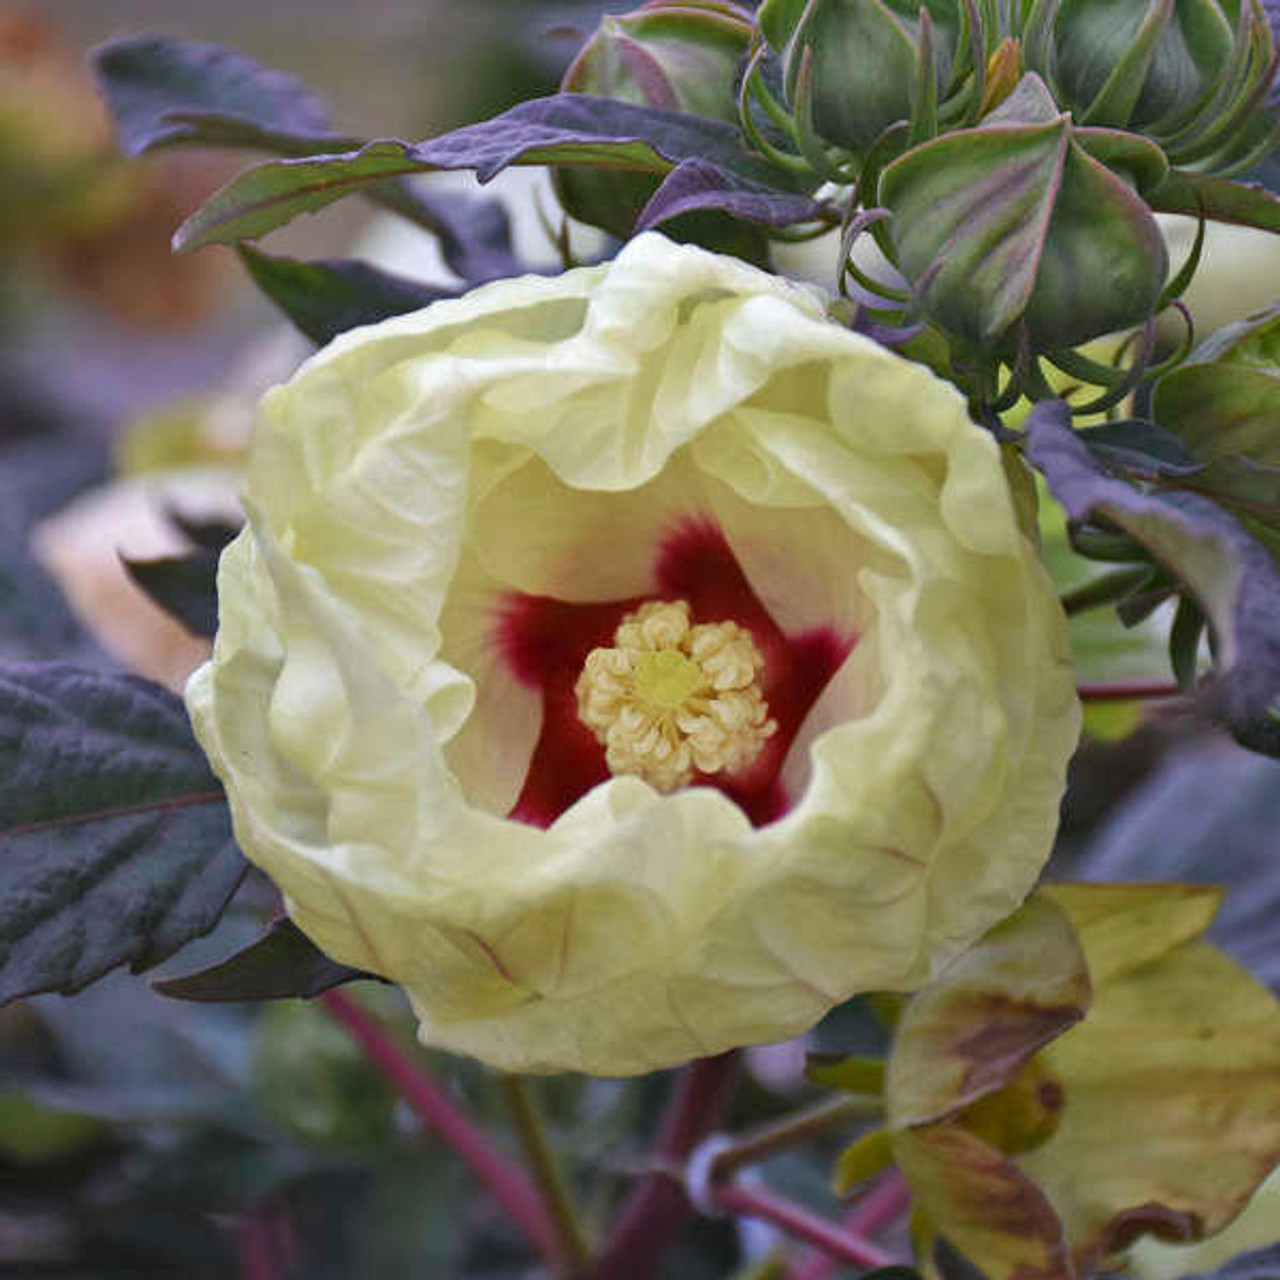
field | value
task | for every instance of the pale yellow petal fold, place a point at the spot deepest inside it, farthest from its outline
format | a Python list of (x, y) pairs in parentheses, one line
[(541, 437)]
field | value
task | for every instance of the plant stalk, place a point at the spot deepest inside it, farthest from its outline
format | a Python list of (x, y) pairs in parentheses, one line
[(508, 1185), (1134, 692), (800, 1128), (659, 1207), (838, 1242), (546, 1171), (886, 1201)]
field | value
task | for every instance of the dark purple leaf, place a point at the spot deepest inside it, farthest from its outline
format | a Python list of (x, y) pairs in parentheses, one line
[(1140, 448), (211, 534), (163, 92), (1210, 815), (35, 622), (566, 129), (115, 837), (184, 586), (581, 129), (474, 232), (1232, 577), (283, 964), (1262, 1264), (697, 184), (325, 299)]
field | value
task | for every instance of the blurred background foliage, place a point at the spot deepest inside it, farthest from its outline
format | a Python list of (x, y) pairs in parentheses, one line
[(142, 1137)]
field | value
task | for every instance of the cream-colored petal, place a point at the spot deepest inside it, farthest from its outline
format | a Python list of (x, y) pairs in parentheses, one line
[(543, 435)]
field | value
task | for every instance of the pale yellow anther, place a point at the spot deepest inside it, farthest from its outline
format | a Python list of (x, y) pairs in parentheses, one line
[(670, 698)]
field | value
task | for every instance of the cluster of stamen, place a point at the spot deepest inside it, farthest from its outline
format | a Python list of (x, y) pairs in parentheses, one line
[(670, 698)]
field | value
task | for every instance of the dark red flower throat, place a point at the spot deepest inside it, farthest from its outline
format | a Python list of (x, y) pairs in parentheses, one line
[(545, 643)]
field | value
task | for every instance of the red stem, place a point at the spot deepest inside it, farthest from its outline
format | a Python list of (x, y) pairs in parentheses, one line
[(255, 1245), (884, 1203), (508, 1185), (659, 1208), (836, 1241), (1126, 692)]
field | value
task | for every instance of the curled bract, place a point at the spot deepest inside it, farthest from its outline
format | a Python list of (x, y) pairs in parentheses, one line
[(451, 511)]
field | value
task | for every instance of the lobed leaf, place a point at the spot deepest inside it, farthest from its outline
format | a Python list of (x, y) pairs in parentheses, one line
[(1232, 577), (115, 837), (284, 963)]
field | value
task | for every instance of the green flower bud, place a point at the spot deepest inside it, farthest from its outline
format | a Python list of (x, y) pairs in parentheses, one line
[(682, 55), (679, 55), (1190, 74), (864, 58), (1028, 223)]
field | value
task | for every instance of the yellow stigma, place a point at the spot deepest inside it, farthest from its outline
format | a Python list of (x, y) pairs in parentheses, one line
[(670, 698)]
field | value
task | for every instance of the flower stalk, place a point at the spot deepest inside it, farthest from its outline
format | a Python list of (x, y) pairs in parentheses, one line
[(509, 1187), (884, 1203), (836, 1241), (660, 1207), (546, 1172), (793, 1131)]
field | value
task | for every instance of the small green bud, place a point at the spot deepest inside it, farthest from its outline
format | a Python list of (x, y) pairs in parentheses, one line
[(1027, 223), (1192, 75), (863, 60), (682, 55), (678, 55)]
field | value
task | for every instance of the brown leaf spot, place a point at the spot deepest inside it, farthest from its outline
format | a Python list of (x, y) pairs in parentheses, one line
[(1051, 1095), (1010, 1032), (1158, 1219)]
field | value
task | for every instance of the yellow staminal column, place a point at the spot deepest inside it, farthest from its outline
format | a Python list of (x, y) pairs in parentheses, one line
[(670, 698)]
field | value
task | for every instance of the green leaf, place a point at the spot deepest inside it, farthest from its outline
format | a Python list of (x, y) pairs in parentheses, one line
[(1232, 577), (163, 92), (115, 844), (1225, 399), (326, 298), (269, 195), (283, 964), (867, 1155), (566, 129)]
